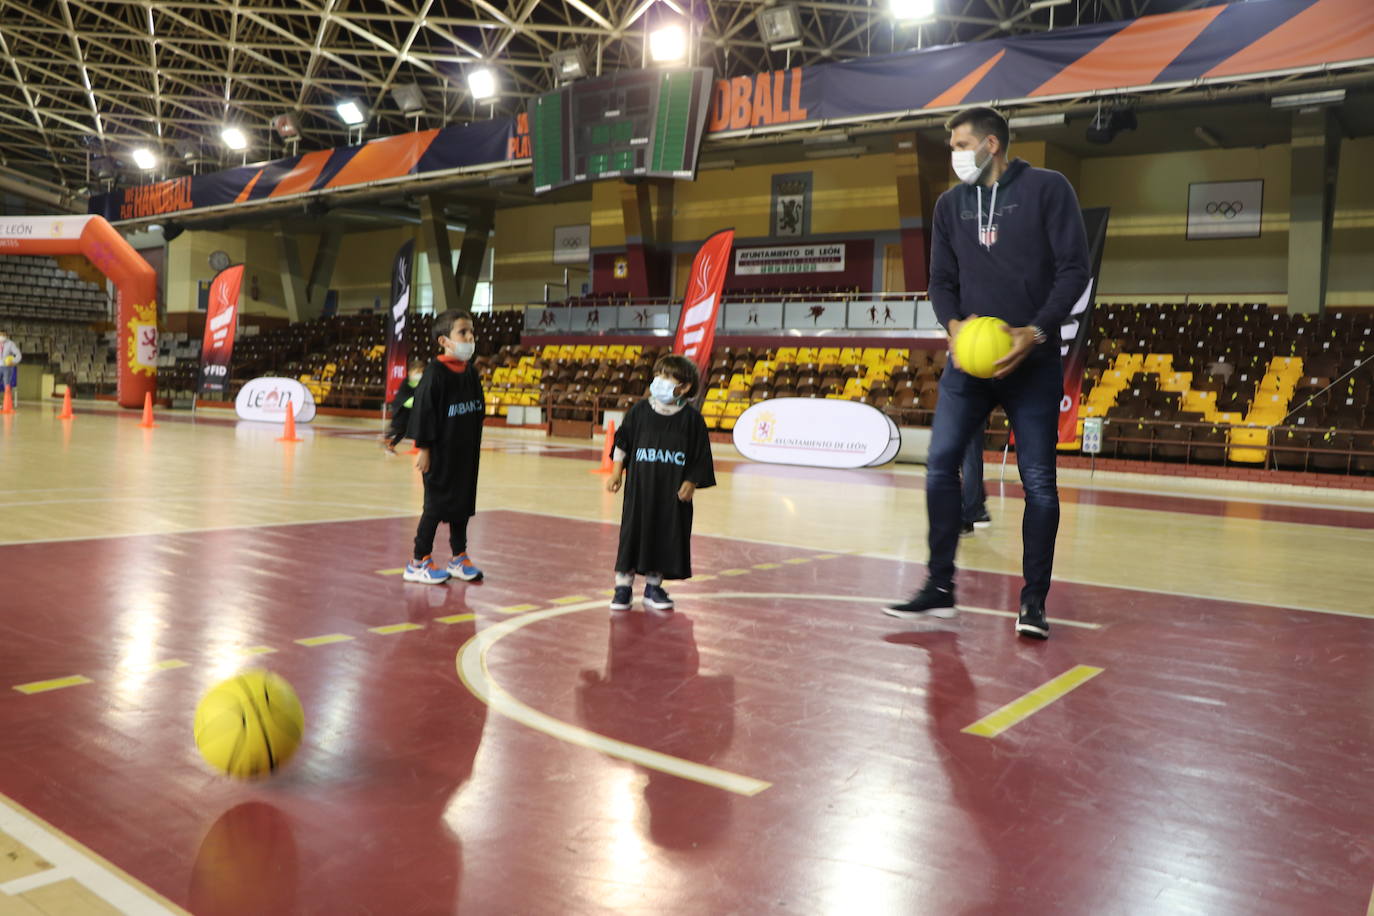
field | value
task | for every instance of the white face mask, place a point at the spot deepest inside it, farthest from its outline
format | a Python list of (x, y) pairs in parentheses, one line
[(415, 377), (463, 349), (966, 165), (663, 389)]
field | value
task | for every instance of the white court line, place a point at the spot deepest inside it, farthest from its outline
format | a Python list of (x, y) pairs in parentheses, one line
[(983, 569), (473, 669), (70, 861)]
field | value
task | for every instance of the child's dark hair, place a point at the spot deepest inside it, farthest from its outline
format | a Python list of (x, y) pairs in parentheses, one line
[(417, 362), (682, 370), (444, 322)]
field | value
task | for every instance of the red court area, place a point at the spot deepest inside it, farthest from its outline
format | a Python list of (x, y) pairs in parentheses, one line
[(1219, 763)]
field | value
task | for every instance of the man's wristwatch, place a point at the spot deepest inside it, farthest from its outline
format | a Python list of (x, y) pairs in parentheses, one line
[(1038, 335)]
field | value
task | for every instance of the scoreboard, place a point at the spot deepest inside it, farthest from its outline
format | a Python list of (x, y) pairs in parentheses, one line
[(639, 123)]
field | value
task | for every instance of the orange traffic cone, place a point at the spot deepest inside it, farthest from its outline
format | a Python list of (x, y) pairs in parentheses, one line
[(148, 412), (289, 433), (9, 401), (608, 452), (66, 413)]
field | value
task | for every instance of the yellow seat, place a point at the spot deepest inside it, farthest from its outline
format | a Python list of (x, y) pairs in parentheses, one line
[(738, 383), (732, 412), (1160, 363), (897, 357), (501, 376), (599, 352), (851, 356), (715, 394), (806, 355), (713, 408), (581, 351), (615, 352), (1248, 444), (632, 351), (785, 355), (566, 351), (828, 355), (550, 351)]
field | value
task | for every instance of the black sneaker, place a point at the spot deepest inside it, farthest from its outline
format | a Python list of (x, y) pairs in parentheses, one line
[(930, 601), (982, 519), (966, 530), (624, 595), (655, 597), (1031, 621)]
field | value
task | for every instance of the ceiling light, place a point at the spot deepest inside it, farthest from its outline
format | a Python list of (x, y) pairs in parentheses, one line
[(145, 159), (668, 44), (1309, 99), (350, 112), (234, 138), (780, 26), (1041, 120), (482, 84), (409, 99), (569, 64), (913, 10), (286, 126)]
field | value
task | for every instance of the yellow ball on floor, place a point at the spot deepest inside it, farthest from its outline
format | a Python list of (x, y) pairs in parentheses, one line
[(981, 342), (249, 726)]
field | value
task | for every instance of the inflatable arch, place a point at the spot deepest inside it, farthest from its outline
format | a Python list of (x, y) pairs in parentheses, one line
[(133, 277)]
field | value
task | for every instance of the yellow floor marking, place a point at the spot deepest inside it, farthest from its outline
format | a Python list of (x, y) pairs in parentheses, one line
[(457, 618), (569, 599), (395, 628), (767, 565), (325, 640), (170, 663), (390, 572), (18, 860), (517, 609), (55, 684), (994, 723), (257, 650), (610, 592), (826, 556), (733, 572), (473, 669), (706, 578), (797, 560), (1370, 911)]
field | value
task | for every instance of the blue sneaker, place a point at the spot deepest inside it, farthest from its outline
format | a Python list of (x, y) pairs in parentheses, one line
[(420, 571), (655, 597), (623, 598), (460, 567)]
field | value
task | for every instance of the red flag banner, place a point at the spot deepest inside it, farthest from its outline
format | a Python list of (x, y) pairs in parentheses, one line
[(397, 332), (696, 329), (1073, 333), (221, 321)]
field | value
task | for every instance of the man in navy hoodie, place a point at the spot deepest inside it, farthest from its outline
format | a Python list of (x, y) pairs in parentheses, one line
[(1008, 242)]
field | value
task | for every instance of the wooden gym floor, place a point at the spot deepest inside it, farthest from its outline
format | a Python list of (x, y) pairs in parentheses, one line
[(1194, 738)]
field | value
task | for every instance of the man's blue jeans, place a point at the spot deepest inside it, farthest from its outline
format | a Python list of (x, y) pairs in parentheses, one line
[(1030, 396)]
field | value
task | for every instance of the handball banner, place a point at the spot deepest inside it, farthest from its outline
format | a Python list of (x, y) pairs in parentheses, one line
[(221, 320), (1213, 45), (397, 324)]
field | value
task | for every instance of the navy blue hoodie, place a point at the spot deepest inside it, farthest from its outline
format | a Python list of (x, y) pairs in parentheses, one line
[(1028, 269)]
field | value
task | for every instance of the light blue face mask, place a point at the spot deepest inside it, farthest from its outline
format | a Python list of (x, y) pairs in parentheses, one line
[(664, 390)]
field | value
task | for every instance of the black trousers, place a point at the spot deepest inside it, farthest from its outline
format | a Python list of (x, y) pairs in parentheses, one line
[(429, 527)]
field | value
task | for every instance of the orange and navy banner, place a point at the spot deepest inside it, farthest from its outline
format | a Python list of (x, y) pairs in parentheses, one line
[(221, 321), (696, 329), (1186, 48)]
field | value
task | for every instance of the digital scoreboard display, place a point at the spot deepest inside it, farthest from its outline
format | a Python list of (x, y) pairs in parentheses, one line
[(646, 122)]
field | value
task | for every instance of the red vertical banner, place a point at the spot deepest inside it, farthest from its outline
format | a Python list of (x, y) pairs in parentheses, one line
[(1074, 332), (397, 333), (696, 329), (221, 321)]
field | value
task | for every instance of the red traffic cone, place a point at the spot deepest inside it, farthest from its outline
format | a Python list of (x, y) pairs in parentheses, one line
[(9, 401), (66, 413), (289, 433), (148, 412), (607, 453)]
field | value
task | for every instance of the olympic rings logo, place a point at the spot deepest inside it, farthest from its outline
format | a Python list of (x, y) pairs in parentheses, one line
[(1225, 209)]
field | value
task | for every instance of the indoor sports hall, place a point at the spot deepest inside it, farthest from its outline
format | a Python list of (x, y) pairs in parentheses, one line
[(201, 473)]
